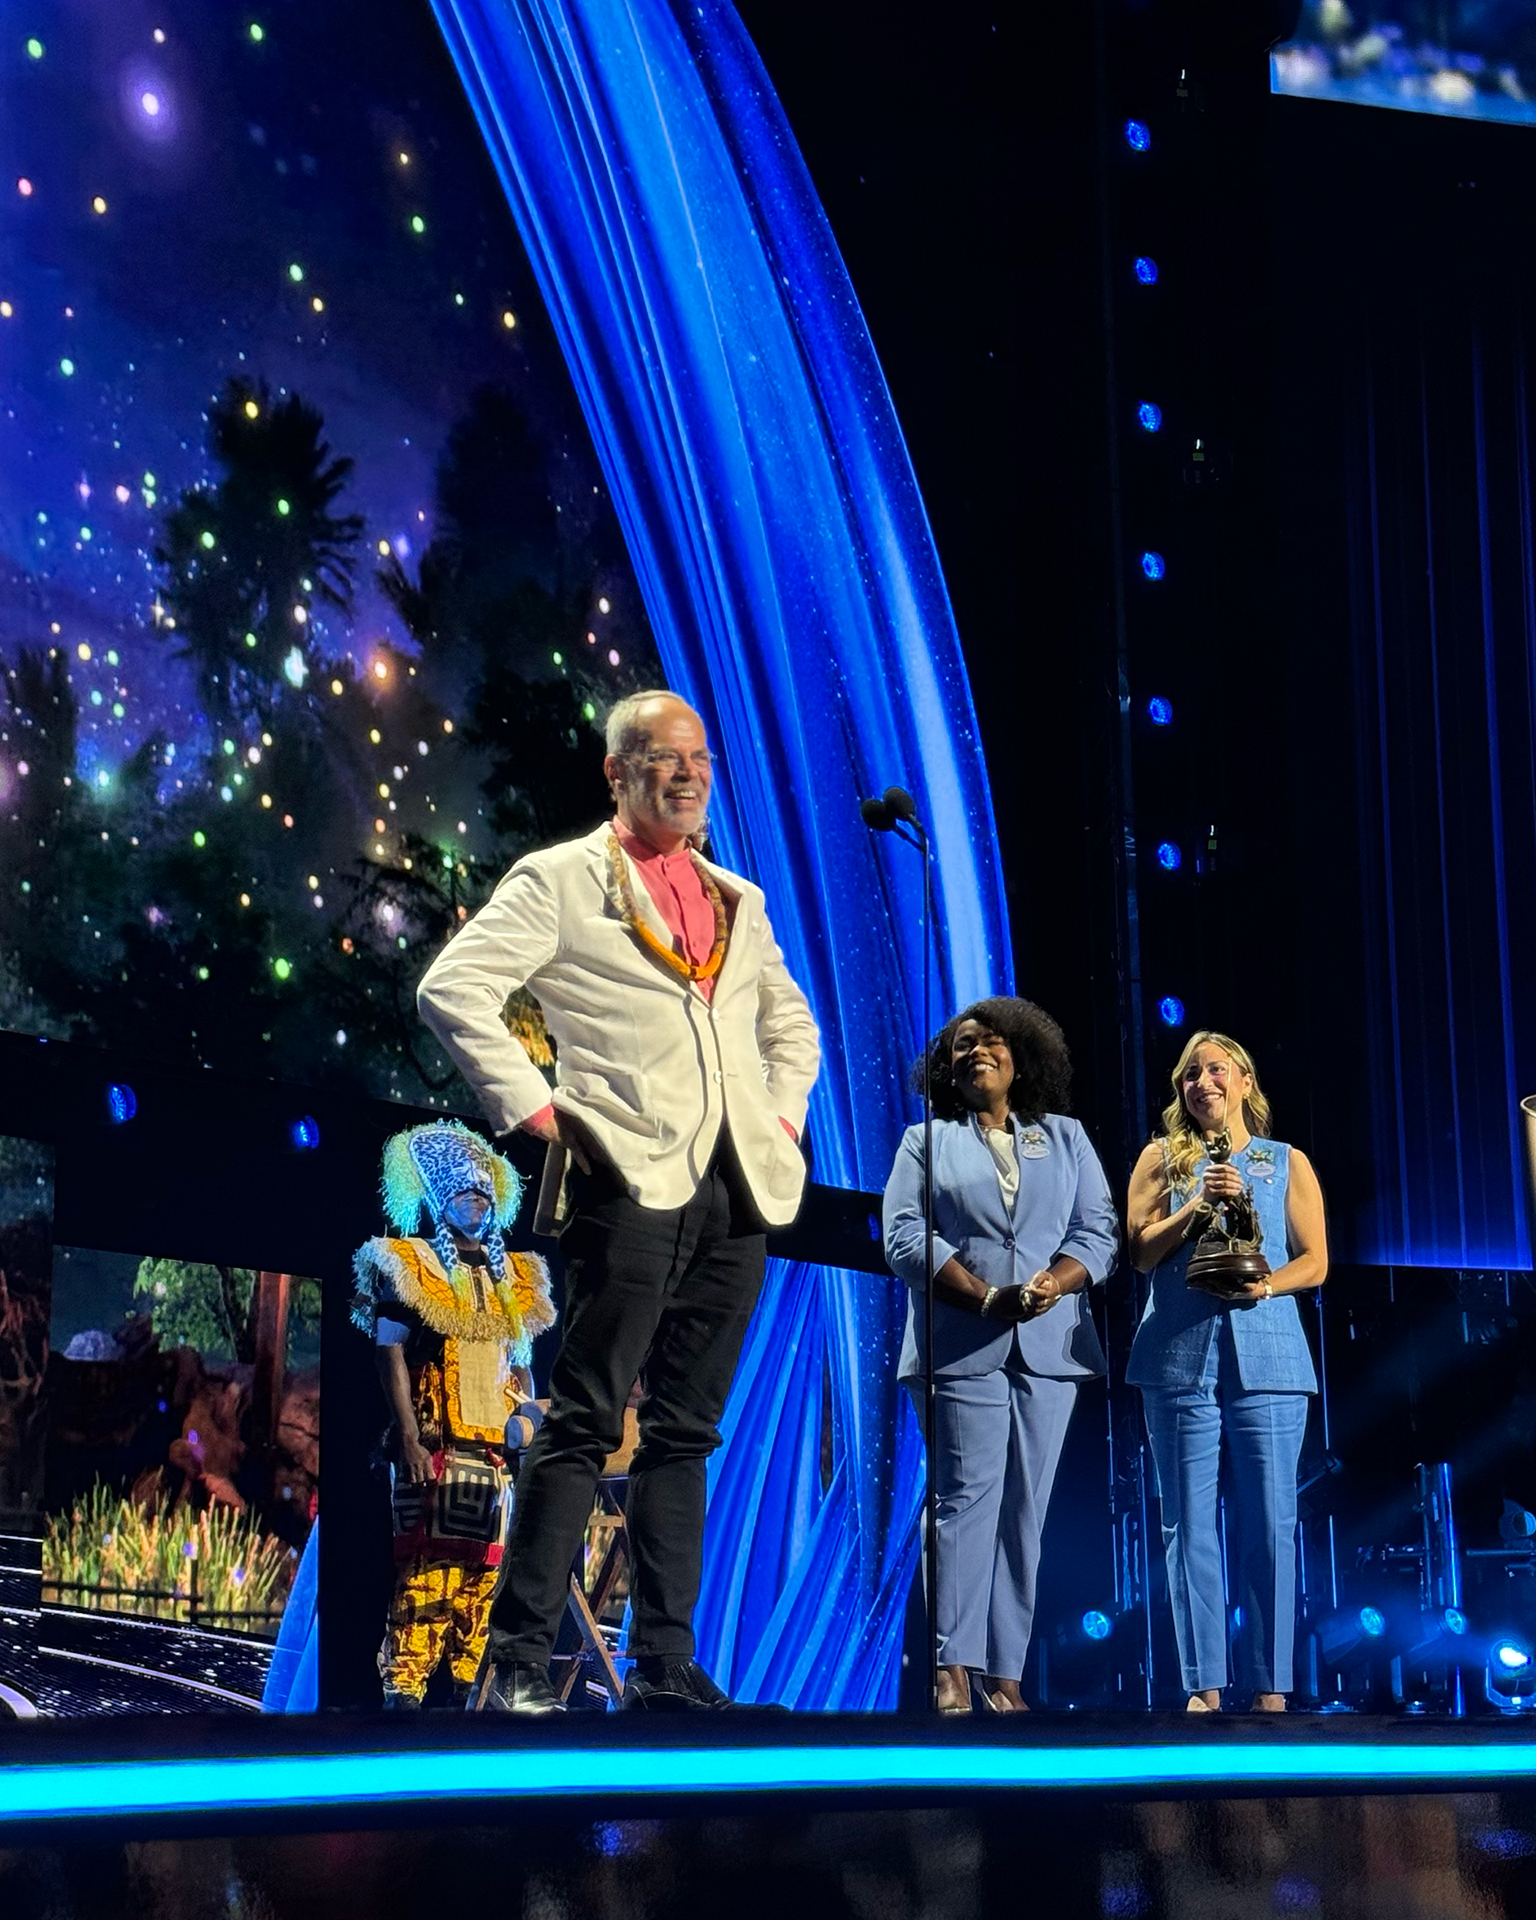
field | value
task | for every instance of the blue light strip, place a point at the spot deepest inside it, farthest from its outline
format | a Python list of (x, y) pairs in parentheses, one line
[(275, 1784)]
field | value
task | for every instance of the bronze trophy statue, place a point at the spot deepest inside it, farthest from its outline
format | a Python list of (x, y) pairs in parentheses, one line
[(1229, 1254)]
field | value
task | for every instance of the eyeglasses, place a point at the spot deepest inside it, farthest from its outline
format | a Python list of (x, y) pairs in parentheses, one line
[(667, 760)]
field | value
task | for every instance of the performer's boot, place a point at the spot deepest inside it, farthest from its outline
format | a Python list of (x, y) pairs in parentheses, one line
[(506, 1684), (672, 1686), (400, 1702)]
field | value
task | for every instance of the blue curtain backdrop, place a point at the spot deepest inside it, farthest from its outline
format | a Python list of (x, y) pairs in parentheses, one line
[(1442, 568), (790, 577)]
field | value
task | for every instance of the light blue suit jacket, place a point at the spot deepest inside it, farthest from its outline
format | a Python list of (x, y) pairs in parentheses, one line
[(1063, 1206)]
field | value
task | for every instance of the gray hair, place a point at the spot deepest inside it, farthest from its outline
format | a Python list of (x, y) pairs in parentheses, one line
[(626, 732)]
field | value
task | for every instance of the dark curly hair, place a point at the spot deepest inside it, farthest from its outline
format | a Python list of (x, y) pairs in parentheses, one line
[(1042, 1067)]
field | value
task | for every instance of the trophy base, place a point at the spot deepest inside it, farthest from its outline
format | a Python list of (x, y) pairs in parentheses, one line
[(1226, 1271)]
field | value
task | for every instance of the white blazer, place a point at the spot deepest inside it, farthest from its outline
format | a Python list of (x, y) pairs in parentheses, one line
[(647, 1065)]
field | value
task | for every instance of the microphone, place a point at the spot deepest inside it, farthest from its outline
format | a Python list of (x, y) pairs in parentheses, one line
[(893, 805)]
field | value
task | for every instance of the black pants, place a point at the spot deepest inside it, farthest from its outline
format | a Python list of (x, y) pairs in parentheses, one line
[(662, 1295)]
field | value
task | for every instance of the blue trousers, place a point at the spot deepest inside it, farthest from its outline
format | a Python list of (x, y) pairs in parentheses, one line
[(1000, 1437), (1263, 1434)]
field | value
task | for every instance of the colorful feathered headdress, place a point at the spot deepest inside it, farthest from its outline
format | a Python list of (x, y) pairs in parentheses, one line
[(426, 1166)]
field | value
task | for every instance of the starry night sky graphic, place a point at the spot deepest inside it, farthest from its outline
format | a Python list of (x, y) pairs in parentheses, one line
[(295, 195)]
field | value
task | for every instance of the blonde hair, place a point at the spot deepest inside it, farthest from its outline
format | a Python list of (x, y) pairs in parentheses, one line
[(1183, 1143)]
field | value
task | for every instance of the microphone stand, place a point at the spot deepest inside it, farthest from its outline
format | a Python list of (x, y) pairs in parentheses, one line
[(917, 836), (930, 1389)]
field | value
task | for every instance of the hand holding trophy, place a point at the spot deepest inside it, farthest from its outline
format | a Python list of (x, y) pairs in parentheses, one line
[(1228, 1261)]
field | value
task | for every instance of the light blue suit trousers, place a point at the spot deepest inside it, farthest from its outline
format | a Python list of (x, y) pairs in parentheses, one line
[(990, 1521), (1263, 1434)]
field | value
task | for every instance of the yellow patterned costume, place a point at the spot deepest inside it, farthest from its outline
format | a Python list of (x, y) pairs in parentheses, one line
[(468, 1333)]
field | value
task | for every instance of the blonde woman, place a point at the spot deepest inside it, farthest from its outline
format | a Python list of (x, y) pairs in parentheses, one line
[(1233, 1372)]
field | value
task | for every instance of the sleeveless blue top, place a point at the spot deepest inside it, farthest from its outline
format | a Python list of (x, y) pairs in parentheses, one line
[(1174, 1339)]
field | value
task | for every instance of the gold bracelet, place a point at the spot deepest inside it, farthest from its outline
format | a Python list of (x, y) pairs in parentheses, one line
[(986, 1302)]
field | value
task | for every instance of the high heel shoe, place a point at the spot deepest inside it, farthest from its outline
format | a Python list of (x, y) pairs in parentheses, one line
[(954, 1695), (995, 1700)]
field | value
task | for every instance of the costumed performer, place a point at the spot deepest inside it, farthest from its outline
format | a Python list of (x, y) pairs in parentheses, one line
[(452, 1319), (1234, 1369), (685, 1058), (1023, 1225)]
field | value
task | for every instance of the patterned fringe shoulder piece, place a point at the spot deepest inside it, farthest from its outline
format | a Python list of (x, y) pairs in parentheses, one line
[(409, 1271)]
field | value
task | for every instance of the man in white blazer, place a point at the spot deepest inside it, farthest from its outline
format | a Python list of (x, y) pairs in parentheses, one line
[(685, 1058)]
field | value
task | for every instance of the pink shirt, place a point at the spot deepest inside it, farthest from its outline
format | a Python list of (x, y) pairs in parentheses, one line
[(677, 893)]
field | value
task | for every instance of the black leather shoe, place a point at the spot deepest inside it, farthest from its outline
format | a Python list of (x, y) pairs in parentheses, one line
[(672, 1686), (514, 1686)]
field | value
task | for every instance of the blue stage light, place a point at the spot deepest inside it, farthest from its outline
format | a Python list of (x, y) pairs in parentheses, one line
[(177, 1786), (1170, 1010), (1160, 711), (305, 1133), (1138, 135), (1153, 565), (1096, 1625), (1146, 270), (1373, 1622), (122, 1104), (1150, 416), (1454, 1621), (1510, 1656), (1169, 858)]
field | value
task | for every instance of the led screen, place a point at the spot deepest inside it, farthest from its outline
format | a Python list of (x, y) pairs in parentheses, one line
[(1472, 59), (311, 597)]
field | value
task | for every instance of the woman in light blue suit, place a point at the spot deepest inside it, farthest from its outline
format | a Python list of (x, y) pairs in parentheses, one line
[(1023, 1224), (1216, 1372)]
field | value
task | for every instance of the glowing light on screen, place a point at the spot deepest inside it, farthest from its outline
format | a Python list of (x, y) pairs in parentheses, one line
[(1160, 711), (1149, 416), (1153, 565), (1145, 269), (1138, 136), (1170, 1010)]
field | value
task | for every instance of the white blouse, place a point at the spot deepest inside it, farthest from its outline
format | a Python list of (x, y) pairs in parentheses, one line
[(1004, 1150)]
